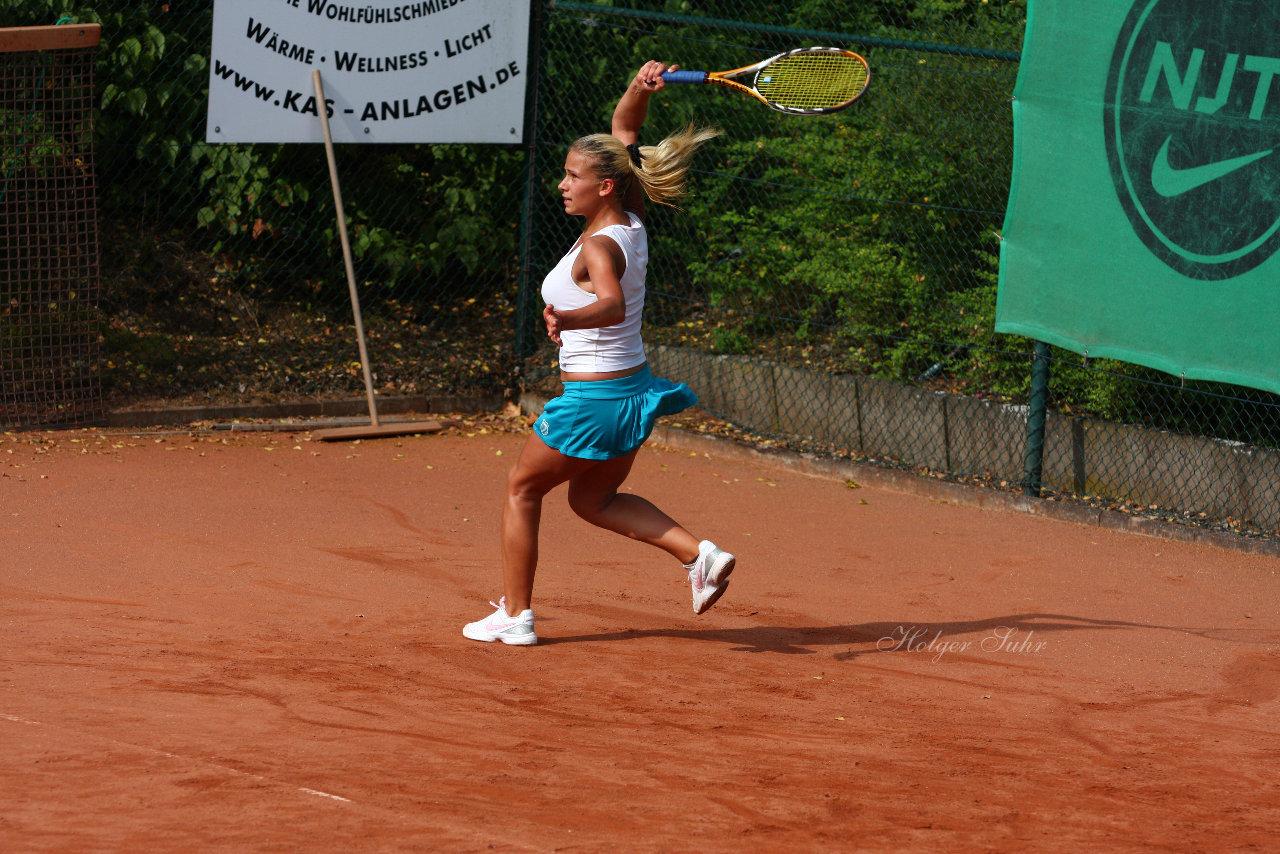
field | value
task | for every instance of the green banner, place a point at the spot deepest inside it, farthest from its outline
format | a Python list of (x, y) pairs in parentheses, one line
[(1144, 217)]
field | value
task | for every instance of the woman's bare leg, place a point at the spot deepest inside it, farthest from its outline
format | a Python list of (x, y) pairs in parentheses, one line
[(593, 495), (538, 470)]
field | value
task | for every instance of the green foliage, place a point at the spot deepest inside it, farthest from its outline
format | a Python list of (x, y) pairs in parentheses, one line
[(34, 143), (988, 24), (836, 224)]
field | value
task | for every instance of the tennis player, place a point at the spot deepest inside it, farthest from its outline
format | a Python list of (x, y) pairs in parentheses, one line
[(590, 435)]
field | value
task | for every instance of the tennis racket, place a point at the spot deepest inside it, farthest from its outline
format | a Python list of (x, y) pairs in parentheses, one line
[(807, 81)]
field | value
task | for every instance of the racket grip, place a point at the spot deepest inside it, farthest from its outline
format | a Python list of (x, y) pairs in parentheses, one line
[(685, 76)]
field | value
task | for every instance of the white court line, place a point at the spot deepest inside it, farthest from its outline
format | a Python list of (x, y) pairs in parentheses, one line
[(323, 794), (17, 720)]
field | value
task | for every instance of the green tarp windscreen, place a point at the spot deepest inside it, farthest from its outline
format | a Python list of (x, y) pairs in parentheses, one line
[(1144, 215)]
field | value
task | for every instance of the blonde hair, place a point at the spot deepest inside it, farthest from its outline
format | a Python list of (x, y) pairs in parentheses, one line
[(662, 169)]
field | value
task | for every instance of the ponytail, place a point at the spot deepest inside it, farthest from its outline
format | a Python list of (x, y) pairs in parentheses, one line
[(661, 169)]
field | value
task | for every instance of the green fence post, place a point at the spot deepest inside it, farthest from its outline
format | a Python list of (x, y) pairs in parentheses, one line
[(526, 337), (1037, 406)]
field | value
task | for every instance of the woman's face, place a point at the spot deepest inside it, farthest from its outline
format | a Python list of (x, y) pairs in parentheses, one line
[(580, 187)]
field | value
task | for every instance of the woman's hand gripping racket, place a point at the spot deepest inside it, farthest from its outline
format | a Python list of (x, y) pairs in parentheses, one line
[(807, 81)]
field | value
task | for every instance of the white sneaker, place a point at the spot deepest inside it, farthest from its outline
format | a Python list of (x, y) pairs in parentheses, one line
[(499, 626), (709, 575)]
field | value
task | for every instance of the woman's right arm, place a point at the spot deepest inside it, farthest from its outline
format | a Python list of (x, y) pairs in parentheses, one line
[(633, 106), (603, 259), (629, 116)]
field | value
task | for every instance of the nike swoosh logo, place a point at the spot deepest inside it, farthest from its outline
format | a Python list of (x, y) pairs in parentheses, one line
[(1170, 182)]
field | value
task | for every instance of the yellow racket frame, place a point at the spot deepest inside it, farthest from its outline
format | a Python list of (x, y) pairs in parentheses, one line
[(804, 81)]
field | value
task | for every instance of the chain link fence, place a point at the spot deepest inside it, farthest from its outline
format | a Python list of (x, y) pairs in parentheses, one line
[(830, 284)]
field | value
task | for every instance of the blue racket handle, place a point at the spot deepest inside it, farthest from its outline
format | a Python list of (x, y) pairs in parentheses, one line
[(685, 76)]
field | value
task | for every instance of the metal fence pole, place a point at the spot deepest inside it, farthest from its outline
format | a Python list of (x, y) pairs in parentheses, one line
[(526, 339), (1033, 464)]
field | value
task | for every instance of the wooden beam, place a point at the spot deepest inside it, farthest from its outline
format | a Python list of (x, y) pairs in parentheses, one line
[(15, 39)]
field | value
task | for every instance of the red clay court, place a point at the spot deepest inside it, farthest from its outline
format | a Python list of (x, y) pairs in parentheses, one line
[(252, 642)]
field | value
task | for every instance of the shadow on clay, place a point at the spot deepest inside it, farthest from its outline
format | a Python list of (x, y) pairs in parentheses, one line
[(1010, 634)]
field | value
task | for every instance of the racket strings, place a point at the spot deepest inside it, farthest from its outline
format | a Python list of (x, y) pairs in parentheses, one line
[(812, 81)]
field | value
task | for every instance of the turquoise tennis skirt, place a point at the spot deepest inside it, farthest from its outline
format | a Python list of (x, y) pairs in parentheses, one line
[(605, 419)]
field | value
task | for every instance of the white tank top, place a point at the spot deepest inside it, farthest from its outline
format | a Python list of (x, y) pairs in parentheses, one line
[(607, 348)]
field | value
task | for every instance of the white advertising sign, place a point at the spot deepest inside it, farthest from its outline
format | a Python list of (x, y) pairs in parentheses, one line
[(402, 71)]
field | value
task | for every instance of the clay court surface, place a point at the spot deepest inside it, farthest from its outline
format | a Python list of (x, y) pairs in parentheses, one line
[(251, 642)]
